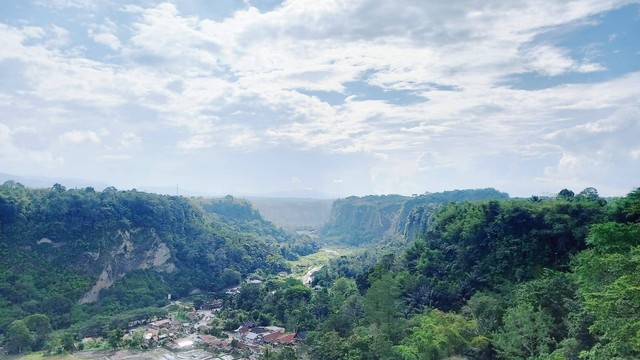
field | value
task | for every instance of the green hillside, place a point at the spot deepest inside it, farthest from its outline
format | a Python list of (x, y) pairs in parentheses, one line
[(72, 254)]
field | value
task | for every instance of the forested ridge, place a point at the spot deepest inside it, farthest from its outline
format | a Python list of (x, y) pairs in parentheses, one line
[(535, 278), (57, 245)]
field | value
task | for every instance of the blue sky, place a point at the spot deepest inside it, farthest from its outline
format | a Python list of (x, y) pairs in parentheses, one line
[(329, 97)]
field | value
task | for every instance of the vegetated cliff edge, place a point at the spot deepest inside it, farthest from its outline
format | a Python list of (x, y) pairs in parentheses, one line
[(382, 218), (123, 250)]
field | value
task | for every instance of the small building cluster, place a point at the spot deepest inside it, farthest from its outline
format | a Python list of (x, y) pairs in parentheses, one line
[(190, 333), (252, 336)]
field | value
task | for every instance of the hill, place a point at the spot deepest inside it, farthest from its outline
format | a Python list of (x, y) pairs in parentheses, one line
[(378, 218), (74, 254)]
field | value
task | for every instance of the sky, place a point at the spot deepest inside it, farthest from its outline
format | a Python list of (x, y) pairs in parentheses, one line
[(332, 98)]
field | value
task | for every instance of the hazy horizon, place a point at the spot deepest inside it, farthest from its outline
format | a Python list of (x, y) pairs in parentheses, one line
[(336, 97)]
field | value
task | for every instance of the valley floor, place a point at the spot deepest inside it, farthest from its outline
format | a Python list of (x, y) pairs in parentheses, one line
[(304, 267)]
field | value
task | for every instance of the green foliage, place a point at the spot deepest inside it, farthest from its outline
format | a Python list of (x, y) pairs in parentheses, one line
[(284, 353), (504, 263), (609, 278), (18, 338), (382, 307), (80, 232), (114, 337), (240, 216), (136, 340), (40, 327), (99, 325), (525, 334), (488, 310), (436, 335), (285, 302), (489, 245), (63, 342)]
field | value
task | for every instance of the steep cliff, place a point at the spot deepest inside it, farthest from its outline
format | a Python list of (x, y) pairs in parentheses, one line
[(373, 219), (62, 247)]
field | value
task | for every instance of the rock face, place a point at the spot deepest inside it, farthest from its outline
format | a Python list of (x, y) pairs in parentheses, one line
[(360, 220), (372, 219), (128, 257)]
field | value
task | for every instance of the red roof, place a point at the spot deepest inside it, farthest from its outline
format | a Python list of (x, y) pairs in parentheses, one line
[(287, 338), (207, 338), (272, 337)]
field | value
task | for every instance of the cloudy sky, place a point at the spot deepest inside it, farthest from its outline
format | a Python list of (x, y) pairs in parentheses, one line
[(334, 97)]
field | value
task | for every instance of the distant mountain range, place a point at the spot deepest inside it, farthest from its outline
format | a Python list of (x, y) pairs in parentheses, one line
[(47, 182), (70, 183)]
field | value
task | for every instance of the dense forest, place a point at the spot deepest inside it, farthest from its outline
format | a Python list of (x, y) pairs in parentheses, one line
[(538, 278), (500, 278), (89, 261)]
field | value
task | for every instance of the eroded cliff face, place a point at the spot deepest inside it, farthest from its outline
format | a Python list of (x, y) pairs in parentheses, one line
[(375, 219), (128, 256), (362, 220)]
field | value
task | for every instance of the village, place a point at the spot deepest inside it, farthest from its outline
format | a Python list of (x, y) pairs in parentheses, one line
[(189, 329)]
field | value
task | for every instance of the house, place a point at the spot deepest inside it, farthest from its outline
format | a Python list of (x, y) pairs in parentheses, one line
[(233, 291), (212, 305), (241, 331), (137, 322), (276, 329), (250, 324), (251, 336), (271, 337), (213, 341), (287, 338), (161, 323)]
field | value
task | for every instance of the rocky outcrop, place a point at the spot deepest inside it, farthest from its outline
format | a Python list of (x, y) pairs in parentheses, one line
[(360, 220), (372, 219), (128, 257)]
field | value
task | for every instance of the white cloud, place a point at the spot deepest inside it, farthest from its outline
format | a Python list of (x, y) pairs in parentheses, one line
[(244, 139), (129, 140), (80, 136), (12, 154), (115, 157), (598, 151), (106, 34), (62, 4), (196, 142), (240, 84)]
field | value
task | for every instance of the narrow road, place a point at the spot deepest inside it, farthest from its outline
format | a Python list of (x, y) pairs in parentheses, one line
[(306, 278)]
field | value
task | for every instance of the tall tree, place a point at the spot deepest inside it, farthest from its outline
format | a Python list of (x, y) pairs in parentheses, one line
[(19, 338), (525, 334), (40, 326)]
